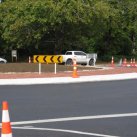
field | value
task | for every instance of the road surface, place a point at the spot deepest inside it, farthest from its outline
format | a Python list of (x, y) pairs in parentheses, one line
[(96, 109)]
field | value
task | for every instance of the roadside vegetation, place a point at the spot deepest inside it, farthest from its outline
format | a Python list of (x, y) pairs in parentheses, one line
[(107, 27)]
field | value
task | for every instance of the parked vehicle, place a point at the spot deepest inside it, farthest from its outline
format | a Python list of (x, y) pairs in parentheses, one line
[(2, 60), (81, 58)]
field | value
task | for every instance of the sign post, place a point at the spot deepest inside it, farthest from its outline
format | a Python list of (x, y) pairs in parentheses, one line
[(55, 68), (39, 68)]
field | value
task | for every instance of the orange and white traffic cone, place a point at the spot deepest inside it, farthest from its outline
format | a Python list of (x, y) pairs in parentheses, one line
[(112, 62), (134, 63), (131, 63), (124, 64), (29, 59), (6, 130), (75, 74)]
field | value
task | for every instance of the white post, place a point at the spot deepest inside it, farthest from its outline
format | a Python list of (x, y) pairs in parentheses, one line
[(39, 68), (55, 68)]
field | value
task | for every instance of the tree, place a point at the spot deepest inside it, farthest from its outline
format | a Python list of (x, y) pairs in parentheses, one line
[(29, 23), (108, 27)]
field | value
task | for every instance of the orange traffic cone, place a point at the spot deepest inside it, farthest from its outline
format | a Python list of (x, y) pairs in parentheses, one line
[(112, 62), (131, 63), (134, 63), (124, 64), (29, 59), (6, 127), (75, 75)]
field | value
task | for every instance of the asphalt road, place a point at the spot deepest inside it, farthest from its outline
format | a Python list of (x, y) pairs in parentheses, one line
[(73, 110)]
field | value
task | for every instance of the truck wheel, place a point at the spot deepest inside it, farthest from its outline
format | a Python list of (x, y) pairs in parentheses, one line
[(91, 62), (69, 62), (2, 62)]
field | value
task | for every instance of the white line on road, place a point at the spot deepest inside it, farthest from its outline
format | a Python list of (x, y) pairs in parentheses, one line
[(72, 119), (75, 118), (64, 130)]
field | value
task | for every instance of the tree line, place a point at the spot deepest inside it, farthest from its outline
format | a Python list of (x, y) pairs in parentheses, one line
[(107, 27)]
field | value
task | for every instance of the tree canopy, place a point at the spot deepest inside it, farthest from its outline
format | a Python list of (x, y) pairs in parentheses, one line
[(108, 27)]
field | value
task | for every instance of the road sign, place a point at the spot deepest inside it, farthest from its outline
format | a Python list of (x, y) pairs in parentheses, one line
[(47, 59), (14, 54)]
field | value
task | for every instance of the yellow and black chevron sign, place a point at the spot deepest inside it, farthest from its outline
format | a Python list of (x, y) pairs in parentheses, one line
[(47, 59)]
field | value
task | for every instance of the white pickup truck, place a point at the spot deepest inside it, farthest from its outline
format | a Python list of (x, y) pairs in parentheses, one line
[(81, 58)]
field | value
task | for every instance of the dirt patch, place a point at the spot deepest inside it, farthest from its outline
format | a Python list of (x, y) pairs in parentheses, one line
[(30, 70), (31, 67)]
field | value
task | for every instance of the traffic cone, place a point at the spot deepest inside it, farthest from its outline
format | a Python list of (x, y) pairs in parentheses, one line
[(6, 127), (131, 63), (112, 62), (75, 75), (120, 62), (29, 59), (134, 63), (124, 64)]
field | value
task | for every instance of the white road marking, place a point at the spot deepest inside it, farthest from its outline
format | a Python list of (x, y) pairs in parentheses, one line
[(75, 118), (71, 119), (64, 130)]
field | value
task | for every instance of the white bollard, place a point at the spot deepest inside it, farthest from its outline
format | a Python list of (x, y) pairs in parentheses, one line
[(39, 68), (55, 68)]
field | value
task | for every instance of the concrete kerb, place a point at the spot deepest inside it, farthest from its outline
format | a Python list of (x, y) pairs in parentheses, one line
[(65, 80)]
